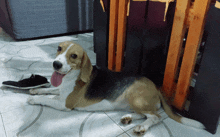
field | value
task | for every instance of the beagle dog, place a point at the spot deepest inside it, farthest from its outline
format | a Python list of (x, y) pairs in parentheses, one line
[(83, 87)]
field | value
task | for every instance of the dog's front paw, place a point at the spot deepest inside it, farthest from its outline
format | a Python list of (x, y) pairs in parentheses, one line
[(139, 130), (126, 119), (30, 100), (33, 91)]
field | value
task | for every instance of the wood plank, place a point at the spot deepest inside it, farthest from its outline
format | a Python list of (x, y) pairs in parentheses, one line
[(176, 41), (113, 20), (191, 49), (121, 34)]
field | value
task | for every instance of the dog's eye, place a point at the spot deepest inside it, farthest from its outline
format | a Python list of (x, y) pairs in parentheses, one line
[(74, 56), (59, 48)]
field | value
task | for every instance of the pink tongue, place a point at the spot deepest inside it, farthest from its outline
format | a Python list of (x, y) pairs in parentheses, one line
[(56, 79)]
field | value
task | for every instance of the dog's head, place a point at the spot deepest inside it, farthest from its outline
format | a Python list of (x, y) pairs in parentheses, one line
[(71, 56)]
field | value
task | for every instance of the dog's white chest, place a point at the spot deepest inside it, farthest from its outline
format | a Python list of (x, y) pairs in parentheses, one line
[(68, 83)]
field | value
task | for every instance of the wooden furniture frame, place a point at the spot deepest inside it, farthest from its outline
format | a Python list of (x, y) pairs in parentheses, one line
[(174, 91), (180, 89), (117, 28)]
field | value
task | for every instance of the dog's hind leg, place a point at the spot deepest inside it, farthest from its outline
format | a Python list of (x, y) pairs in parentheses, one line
[(126, 119), (152, 119), (147, 106)]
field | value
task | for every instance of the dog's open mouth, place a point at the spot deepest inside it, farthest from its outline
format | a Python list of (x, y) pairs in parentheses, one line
[(56, 79)]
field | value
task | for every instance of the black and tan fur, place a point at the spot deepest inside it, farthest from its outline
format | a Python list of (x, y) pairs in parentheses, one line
[(102, 90)]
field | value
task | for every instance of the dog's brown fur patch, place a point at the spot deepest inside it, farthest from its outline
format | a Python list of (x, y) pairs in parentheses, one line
[(77, 97)]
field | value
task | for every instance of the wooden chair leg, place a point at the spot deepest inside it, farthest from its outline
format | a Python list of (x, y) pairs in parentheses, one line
[(176, 40), (113, 21), (194, 37), (121, 33)]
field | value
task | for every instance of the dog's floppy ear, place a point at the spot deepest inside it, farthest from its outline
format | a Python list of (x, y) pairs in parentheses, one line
[(86, 68)]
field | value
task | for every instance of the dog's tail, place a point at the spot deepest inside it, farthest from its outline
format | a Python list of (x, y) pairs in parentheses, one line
[(178, 118)]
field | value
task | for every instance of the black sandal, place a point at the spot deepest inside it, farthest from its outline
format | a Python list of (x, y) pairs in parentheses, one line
[(35, 81)]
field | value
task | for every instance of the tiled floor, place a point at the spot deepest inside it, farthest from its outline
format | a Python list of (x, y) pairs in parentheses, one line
[(19, 60)]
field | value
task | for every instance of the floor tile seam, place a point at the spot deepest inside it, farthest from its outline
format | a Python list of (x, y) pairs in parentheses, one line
[(9, 59), (3, 124), (34, 121), (14, 44), (54, 45), (8, 53), (32, 64), (17, 55), (22, 77), (123, 133), (130, 128), (22, 69), (118, 126), (83, 123), (136, 125), (168, 129), (28, 47), (43, 40), (3, 112), (162, 119), (17, 69), (27, 57), (26, 68)]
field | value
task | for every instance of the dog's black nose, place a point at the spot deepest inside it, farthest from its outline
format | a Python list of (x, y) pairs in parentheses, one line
[(57, 65)]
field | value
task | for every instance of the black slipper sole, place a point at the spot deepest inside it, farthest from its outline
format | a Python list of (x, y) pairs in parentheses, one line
[(32, 87)]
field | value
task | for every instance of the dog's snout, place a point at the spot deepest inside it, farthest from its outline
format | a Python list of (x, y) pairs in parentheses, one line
[(57, 65)]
